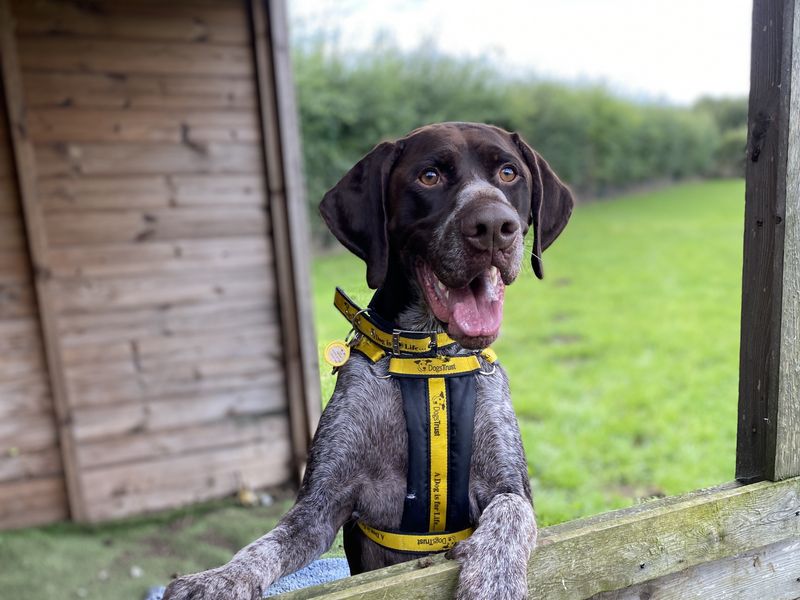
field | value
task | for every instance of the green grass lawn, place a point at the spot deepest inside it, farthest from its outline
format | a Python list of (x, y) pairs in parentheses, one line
[(623, 366), (624, 360), (124, 559)]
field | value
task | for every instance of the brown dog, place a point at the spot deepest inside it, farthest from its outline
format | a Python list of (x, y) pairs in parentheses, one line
[(439, 218)]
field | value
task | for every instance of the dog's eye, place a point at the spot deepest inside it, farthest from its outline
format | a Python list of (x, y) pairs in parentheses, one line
[(507, 173), (429, 176)]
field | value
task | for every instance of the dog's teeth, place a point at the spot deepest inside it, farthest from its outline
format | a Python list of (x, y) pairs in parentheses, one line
[(493, 273), (440, 287), (447, 294)]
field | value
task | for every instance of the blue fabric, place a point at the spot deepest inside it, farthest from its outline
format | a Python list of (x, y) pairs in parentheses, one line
[(320, 571)]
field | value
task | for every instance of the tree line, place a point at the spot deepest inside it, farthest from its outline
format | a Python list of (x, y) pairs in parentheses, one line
[(596, 141)]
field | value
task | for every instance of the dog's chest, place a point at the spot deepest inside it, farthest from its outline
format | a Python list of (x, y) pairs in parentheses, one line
[(381, 498), (382, 495)]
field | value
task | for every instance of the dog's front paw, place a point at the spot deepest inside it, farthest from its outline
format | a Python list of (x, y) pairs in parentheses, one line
[(231, 582), (494, 560), (487, 571)]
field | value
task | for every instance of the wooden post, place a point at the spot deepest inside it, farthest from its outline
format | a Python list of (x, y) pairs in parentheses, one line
[(281, 143), (787, 443), (25, 163), (768, 444)]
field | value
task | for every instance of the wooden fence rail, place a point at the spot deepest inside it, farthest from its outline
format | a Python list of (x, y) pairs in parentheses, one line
[(721, 533)]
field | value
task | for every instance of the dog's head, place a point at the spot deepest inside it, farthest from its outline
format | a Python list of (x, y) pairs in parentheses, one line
[(450, 204)]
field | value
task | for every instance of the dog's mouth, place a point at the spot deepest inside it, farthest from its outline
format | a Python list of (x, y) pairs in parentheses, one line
[(472, 313)]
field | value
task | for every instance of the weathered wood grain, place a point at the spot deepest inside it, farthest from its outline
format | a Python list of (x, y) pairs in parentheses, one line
[(621, 549), (227, 13), (22, 364), (225, 314), (101, 227), (14, 266), (134, 92), (64, 160), (18, 466), (159, 414), (152, 485), (12, 236), (7, 170), (9, 199), (32, 502), (29, 432), (28, 395), (57, 18), (116, 56), (17, 300), (299, 238), (787, 426), (157, 258), (19, 335), (140, 447), (764, 232), (769, 572), (198, 377), (25, 431), (86, 193), (281, 156), (151, 237), (76, 125), (147, 355), (92, 295)]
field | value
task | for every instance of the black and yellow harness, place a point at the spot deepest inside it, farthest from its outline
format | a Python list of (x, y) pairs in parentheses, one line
[(439, 404)]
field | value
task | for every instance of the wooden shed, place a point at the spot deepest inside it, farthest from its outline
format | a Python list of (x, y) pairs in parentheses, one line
[(156, 339)]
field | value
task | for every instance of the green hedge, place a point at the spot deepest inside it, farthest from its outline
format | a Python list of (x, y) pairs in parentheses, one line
[(596, 141)]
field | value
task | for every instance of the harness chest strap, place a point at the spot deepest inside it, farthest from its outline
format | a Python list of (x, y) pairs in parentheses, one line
[(434, 463), (405, 542), (438, 402)]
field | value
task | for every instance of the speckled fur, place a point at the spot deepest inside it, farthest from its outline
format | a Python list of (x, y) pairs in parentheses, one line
[(357, 464), (357, 467)]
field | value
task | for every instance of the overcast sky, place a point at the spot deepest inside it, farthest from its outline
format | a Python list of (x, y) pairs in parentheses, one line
[(673, 50)]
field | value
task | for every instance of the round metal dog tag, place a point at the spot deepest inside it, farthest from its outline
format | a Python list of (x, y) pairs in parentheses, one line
[(336, 353)]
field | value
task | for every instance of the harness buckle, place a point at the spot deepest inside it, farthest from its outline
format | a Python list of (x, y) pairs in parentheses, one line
[(396, 341), (433, 346)]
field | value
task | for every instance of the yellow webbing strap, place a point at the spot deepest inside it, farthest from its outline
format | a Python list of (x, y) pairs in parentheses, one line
[(375, 343), (437, 406), (385, 339), (374, 352), (489, 354), (440, 366), (369, 349), (409, 542)]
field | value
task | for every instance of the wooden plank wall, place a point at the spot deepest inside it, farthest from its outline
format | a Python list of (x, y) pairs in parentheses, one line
[(143, 119), (31, 474)]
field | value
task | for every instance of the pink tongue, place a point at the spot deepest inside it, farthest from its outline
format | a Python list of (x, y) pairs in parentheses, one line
[(475, 314)]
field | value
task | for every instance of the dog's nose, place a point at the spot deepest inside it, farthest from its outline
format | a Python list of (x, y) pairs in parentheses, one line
[(490, 226)]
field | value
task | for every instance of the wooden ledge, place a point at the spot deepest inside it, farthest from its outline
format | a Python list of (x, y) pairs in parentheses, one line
[(614, 550)]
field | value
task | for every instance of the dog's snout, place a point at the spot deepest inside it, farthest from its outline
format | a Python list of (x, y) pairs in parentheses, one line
[(490, 227)]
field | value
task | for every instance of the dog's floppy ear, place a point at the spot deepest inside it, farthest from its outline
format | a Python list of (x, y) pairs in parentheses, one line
[(551, 204), (355, 210)]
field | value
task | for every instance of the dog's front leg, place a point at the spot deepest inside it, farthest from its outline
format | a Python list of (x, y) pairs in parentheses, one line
[(494, 560), (304, 533), (324, 503)]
